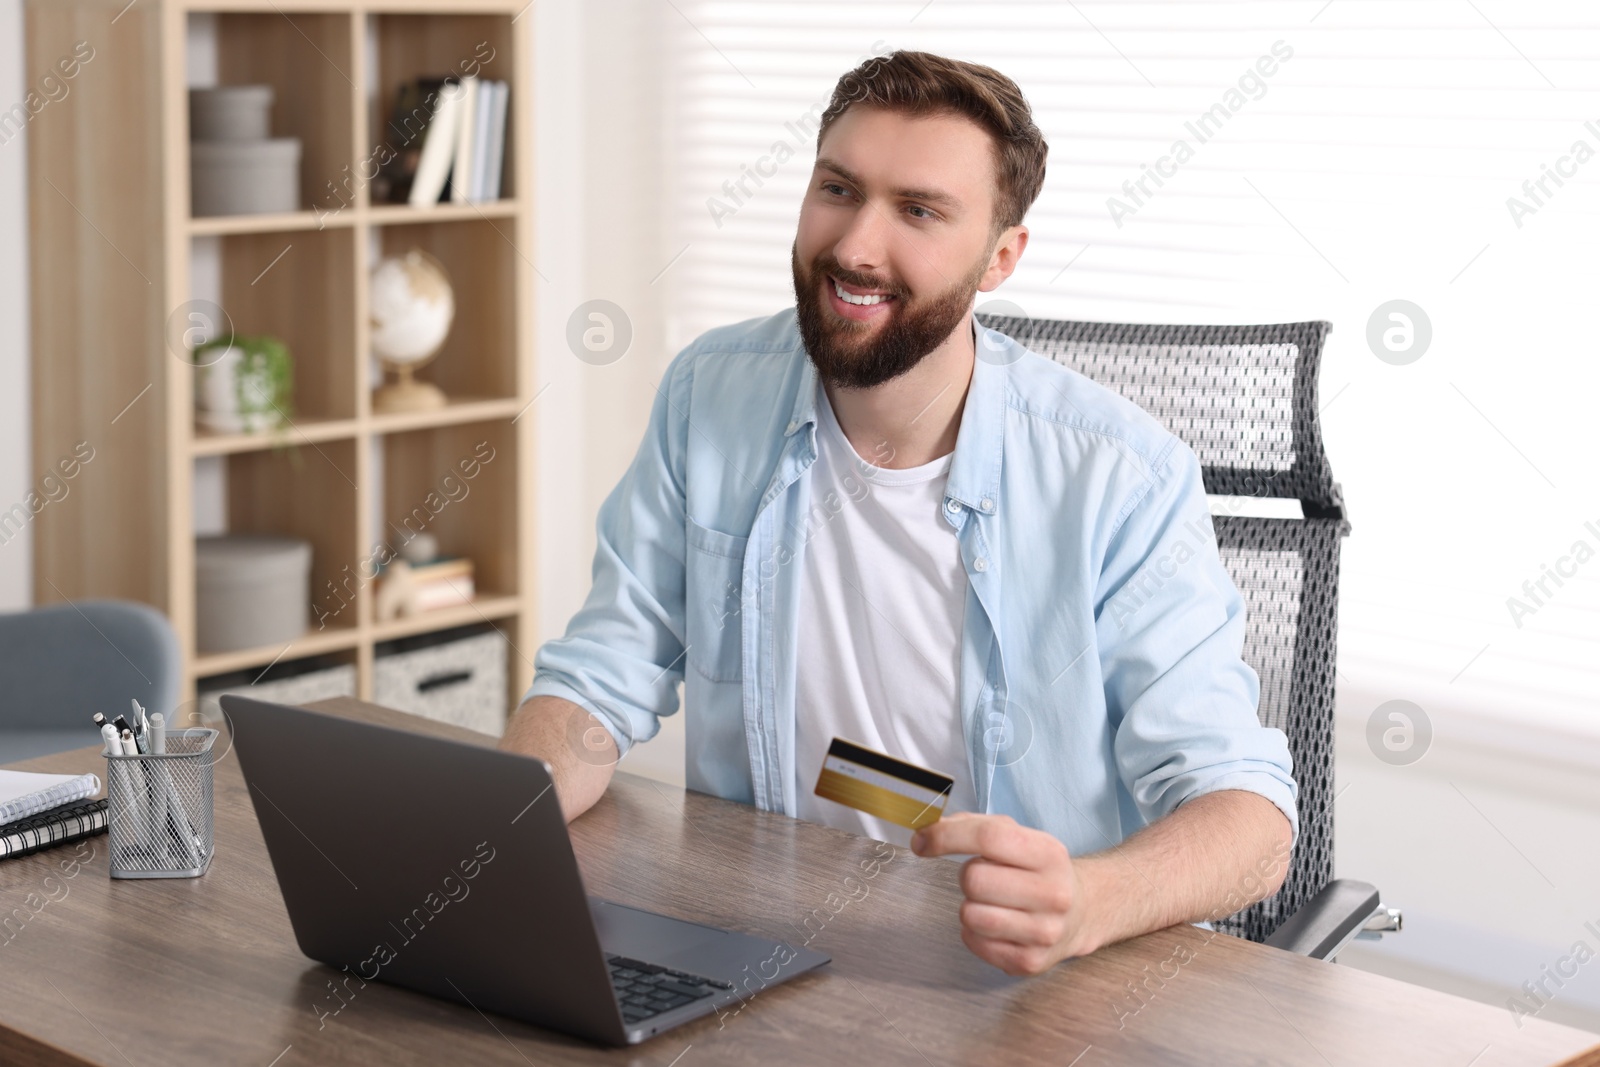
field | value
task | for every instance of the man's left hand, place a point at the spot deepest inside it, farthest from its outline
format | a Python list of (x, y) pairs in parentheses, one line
[(1026, 907)]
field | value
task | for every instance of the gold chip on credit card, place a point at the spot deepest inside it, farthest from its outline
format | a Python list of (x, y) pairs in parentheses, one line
[(888, 788)]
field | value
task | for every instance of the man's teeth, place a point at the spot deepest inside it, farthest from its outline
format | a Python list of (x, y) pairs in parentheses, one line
[(851, 298)]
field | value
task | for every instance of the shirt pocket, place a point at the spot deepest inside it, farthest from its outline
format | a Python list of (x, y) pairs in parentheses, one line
[(713, 580)]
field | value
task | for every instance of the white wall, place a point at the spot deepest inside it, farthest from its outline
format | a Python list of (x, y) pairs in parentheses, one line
[(598, 237), (1485, 843), (15, 451)]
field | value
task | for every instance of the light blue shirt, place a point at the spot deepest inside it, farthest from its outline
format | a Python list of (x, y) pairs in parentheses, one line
[(1101, 680)]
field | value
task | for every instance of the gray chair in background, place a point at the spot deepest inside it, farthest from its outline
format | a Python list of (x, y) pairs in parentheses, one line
[(1244, 398), (61, 664)]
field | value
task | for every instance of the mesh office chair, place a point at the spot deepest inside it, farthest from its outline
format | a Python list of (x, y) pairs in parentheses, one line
[(1245, 399)]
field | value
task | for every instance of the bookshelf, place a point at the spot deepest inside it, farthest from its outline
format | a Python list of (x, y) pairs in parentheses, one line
[(116, 260)]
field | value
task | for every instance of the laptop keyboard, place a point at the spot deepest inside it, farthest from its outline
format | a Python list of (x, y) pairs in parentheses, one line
[(643, 989)]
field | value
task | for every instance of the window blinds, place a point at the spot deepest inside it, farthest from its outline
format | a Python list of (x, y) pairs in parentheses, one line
[(1216, 161)]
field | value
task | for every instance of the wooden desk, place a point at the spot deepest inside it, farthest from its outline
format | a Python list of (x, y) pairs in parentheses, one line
[(205, 971)]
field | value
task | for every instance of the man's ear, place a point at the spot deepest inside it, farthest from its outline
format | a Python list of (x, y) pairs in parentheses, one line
[(1003, 260)]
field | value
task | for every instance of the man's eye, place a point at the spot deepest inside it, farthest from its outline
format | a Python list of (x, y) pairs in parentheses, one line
[(926, 213), (830, 186)]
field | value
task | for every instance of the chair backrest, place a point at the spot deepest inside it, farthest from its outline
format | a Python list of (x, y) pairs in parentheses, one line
[(1244, 398), (62, 663)]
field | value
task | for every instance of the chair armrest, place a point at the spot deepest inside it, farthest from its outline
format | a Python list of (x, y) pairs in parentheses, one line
[(1328, 921)]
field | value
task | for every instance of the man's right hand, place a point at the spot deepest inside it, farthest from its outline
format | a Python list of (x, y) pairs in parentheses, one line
[(581, 752)]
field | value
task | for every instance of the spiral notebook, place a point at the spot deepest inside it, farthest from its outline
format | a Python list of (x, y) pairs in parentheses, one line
[(25, 793), (55, 827)]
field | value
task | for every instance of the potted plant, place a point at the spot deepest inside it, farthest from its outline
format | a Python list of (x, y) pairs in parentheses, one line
[(243, 384)]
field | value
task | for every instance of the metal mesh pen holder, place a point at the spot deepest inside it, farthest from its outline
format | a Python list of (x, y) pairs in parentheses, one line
[(159, 809)]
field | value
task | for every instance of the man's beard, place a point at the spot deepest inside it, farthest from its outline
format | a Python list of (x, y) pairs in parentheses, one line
[(842, 350)]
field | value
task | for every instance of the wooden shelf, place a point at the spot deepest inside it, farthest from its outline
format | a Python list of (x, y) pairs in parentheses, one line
[(410, 7), (355, 479), (218, 225), (302, 431), (377, 215), (458, 411), (401, 214), (311, 643), (483, 609)]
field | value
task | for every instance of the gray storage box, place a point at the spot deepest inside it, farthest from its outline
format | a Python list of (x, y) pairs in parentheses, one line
[(244, 177), (231, 113), (250, 591), (456, 676), (296, 682)]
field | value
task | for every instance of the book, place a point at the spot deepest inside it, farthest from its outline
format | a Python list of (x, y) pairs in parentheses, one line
[(471, 135), (494, 154), (442, 593), (414, 106), (441, 583), (56, 826), (461, 174), (481, 115), (438, 146), (25, 793), (444, 567), (445, 582)]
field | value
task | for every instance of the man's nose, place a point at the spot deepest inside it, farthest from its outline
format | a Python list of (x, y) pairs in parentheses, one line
[(863, 247)]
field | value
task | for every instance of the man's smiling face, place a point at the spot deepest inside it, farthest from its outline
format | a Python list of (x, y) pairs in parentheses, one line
[(894, 241)]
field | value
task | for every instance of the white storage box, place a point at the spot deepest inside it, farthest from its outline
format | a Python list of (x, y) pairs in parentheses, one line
[(456, 676), (244, 177), (250, 591), (231, 113)]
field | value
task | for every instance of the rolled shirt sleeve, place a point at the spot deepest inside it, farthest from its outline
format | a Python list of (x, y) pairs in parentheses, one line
[(1171, 623), (621, 657)]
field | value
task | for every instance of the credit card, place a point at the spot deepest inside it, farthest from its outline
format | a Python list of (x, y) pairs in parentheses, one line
[(888, 788)]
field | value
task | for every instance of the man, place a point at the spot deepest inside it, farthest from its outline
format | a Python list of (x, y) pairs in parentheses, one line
[(870, 518)]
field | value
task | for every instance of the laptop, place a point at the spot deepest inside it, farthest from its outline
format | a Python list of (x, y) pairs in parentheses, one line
[(445, 867)]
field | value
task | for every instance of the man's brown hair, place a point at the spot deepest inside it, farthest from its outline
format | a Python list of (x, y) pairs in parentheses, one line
[(921, 83)]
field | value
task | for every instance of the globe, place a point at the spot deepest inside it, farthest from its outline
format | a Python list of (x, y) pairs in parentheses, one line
[(413, 306)]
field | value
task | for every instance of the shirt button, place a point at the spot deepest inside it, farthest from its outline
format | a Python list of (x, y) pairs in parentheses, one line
[(793, 426), (952, 506), (980, 564), (986, 504)]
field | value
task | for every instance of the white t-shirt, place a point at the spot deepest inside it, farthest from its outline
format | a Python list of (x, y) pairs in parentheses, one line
[(883, 596)]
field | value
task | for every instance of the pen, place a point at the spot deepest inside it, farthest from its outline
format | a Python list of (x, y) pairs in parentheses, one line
[(169, 805), (142, 721), (99, 720), (163, 783), (140, 806), (109, 733), (140, 746), (123, 727)]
